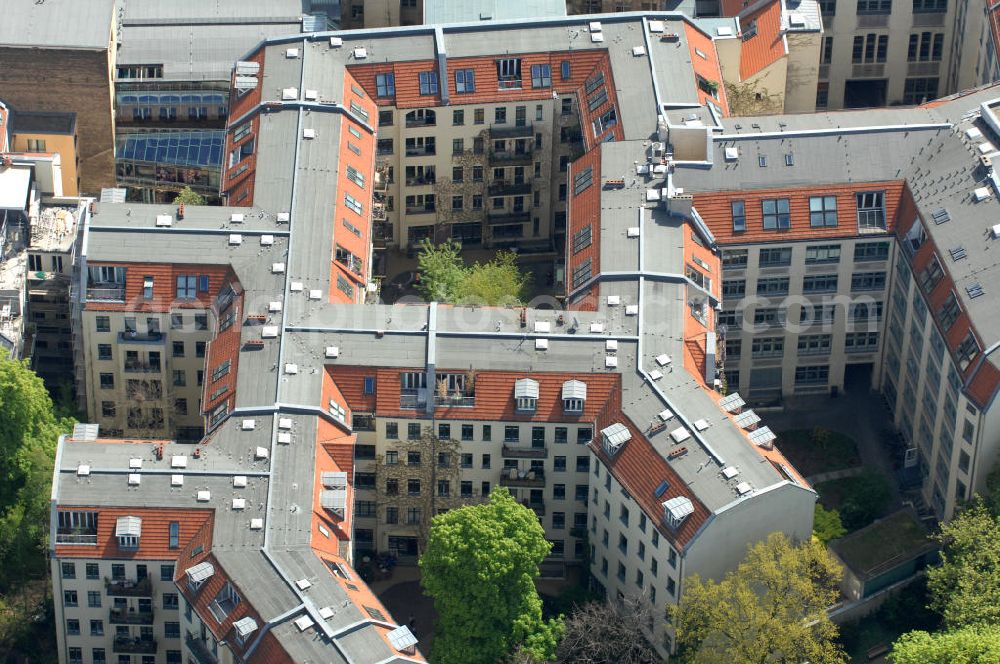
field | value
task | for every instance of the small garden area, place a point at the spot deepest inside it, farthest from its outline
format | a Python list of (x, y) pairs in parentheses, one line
[(859, 500), (901, 613), (814, 451)]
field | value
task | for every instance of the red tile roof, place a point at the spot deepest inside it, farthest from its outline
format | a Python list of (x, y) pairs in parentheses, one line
[(153, 542), (767, 46), (707, 67)]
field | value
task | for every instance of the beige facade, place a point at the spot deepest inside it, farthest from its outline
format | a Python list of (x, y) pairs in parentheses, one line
[(490, 175), (145, 371), (355, 14)]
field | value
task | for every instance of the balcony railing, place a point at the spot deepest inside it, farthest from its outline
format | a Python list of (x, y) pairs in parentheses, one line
[(420, 209), (80, 537), (142, 367), (420, 150), (107, 293), (509, 217), (450, 401), (199, 649), (510, 452), (129, 587), (522, 478), (503, 188), (511, 157), (136, 337), (137, 645), (129, 617), (512, 131), (417, 182), (421, 122), (537, 505)]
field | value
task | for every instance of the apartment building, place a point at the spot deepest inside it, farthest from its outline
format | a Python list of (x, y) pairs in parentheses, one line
[(61, 59)]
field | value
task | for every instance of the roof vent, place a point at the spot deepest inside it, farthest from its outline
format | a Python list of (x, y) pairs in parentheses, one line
[(597, 328), (269, 332), (336, 42), (247, 68), (747, 419), (135, 463), (985, 148), (164, 220), (995, 231), (325, 612), (134, 479), (676, 510), (633, 231), (304, 623), (261, 453), (256, 524), (284, 438), (614, 437), (541, 344), (197, 574), (332, 352), (277, 268), (665, 414), (975, 290), (663, 360), (701, 425), (245, 627), (291, 369), (957, 253), (614, 300), (796, 20), (239, 481), (274, 307), (239, 503), (235, 239), (638, 51), (83, 470), (597, 37), (729, 472), (248, 424), (315, 294), (632, 310), (743, 488), (178, 461), (656, 374), (656, 26), (176, 480), (610, 362), (295, 287), (940, 216), (283, 217), (680, 434), (311, 95), (266, 240), (204, 496), (543, 326), (973, 133), (595, 26), (360, 53), (611, 345), (732, 154), (290, 94), (285, 423), (308, 132), (291, 53), (980, 194), (724, 31)]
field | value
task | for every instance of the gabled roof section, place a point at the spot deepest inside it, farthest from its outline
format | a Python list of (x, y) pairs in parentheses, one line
[(58, 25)]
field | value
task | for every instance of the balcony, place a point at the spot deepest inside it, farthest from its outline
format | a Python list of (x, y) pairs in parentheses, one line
[(200, 650), (504, 188), (136, 337), (538, 506), (534, 478), (512, 131), (409, 399), (129, 617), (106, 293), (509, 452), (129, 587), (76, 537), (381, 234), (520, 217), (511, 157), (418, 182), (127, 645), (420, 209), (424, 121)]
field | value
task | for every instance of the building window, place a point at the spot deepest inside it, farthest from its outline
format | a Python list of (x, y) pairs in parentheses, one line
[(739, 216), (967, 351), (465, 81), (812, 375), (582, 239), (428, 83), (920, 90), (776, 214), (866, 281), (949, 312), (509, 73), (582, 180), (931, 275), (871, 251), (925, 47), (822, 94), (930, 6), (822, 211), (385, 86), (107, 381), (870, 48), (874, 6), (818, 254), (541, 76)]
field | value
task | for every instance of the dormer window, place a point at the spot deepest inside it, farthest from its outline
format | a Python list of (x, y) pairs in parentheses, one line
[(244, 628), (574, 394), (127, 531), (614, 437), (198, 574), (676, 510), (526, 395)]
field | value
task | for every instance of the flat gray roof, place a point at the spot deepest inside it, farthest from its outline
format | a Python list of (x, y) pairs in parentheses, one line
[(58, 24), (460, 11)]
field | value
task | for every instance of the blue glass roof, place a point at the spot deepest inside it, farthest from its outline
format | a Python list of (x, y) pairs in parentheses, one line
[(180, 148)]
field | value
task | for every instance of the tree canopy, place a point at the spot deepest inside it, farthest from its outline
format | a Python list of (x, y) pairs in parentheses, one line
[(827, 525), (189, 196), (772, 607), (965, 588), (968, 645), (444, 277), (479, 567), (609, 632)]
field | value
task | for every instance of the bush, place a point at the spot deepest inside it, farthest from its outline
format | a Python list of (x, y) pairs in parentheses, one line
[(866, 498), (827, 525)]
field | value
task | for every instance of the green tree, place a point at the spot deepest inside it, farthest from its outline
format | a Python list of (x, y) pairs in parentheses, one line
[(189, 196), (29, 431), (965, 588), (444, 277), (968, 645), (479, 566), (866, 499), (827, 525), (772, 607)]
